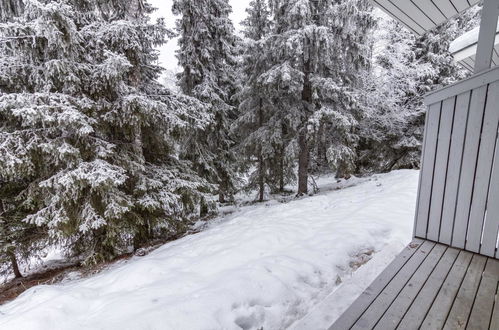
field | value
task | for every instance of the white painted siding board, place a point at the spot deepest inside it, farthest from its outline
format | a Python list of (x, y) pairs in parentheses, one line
[(433, 118), (470, 154), (484, 168), (441, 165), (491, 225), (454, 170), (463, 86), (447, 8)]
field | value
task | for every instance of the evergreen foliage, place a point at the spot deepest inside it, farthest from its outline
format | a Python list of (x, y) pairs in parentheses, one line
[(258, 139), (207, 55), (97, 157), (87, 137), (406, 68), (317, 54)]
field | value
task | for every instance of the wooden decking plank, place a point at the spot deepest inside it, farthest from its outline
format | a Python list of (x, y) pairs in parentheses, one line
[(376, 310), (484, 302), (435, 319), (494, 323), (401, 304), (423, 302), (353, 313), (460, 311)]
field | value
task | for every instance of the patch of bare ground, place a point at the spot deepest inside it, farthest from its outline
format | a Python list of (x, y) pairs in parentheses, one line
[(361, 258)]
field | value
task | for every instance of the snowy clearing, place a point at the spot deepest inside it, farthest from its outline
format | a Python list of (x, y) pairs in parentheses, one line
[(264, 266)]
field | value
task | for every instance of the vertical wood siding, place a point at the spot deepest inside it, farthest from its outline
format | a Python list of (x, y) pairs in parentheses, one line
[(458, 200)]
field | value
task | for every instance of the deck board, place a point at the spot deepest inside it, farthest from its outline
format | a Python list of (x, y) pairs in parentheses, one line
[(494, 322), (349, 317), (460, 311), (404, 299), (423, 302), (484, 303), (432, 286), (435, 319), (371, 316)]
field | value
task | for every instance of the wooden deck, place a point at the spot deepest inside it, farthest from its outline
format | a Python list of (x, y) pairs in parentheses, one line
[(429, 286)]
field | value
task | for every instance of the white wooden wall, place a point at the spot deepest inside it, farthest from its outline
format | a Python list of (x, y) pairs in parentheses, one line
[(458, 200)]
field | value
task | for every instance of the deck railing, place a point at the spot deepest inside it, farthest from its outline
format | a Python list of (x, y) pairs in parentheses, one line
[(458, 198)]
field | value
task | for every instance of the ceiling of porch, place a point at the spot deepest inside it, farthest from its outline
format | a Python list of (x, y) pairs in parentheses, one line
[(421, 16)]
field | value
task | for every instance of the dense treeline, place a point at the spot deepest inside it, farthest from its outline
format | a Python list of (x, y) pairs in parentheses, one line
[(97, 157)]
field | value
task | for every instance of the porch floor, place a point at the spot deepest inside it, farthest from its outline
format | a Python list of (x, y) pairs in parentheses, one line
[(429, 286)]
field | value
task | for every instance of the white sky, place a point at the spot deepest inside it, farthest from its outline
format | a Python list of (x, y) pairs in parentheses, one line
[(167, 58)]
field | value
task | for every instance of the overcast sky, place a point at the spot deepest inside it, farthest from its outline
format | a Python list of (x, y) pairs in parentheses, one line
[(167, 57)]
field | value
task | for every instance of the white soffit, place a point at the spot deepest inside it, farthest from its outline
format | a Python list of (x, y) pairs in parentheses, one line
[(421, 16), (464, 49)]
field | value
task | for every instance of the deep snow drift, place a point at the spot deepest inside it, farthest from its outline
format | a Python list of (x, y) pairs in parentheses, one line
[(264, 266)]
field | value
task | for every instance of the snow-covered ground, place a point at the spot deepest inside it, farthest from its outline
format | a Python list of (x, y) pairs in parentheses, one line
[(263, 266)]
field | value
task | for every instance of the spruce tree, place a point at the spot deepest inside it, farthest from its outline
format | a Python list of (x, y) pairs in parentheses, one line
[(207, 55), (89, 139), (319, 51), (255, 135)]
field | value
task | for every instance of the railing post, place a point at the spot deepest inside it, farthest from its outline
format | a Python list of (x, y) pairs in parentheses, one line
[(487, 35)]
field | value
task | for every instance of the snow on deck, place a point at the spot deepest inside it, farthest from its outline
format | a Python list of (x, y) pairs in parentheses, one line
[(466, 45), (264, 266)]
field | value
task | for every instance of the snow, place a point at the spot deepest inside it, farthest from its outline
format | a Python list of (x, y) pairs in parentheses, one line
[(263, 266), (465, 46)]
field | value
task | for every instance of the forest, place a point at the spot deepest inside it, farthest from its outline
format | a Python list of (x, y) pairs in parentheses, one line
[(99, 158)]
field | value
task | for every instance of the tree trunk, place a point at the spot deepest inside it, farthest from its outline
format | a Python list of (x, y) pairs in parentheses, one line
[(281, 170), (261, 179), (303, 163), (321, 147), (303, 157), (261, 170), (221, 195), (284, 134), (15, 266)]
